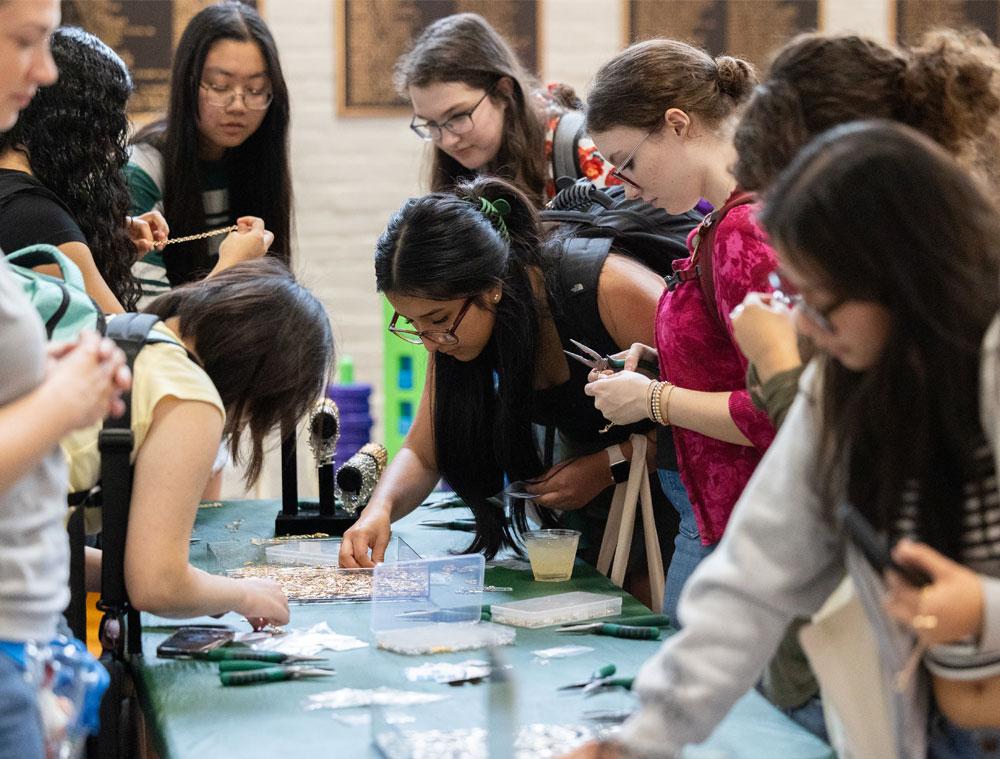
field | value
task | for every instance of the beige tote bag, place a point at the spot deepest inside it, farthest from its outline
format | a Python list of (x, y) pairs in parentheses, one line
[(613, 558)]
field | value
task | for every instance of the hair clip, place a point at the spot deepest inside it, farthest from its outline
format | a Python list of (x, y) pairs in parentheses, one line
[(495, 212)]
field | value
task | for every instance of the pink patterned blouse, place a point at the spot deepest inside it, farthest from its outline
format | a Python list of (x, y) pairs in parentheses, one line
[(698, 352)]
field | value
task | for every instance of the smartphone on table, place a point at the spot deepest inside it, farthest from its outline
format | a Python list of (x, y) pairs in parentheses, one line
[(192, 640)]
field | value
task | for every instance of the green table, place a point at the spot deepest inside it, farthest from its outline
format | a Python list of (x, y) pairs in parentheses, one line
[(189, 714)]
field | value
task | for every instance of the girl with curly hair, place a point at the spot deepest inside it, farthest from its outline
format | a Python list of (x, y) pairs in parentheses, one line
[(222, 150), (61, 171), (485, 114), (947, 87)]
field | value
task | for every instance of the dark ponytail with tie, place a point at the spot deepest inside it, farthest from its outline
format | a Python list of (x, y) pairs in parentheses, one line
[(445, 246)]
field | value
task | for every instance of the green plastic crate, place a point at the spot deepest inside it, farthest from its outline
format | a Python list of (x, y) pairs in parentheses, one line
[(404, 366)]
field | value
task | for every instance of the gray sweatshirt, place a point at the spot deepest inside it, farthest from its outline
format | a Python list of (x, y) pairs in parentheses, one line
[(34, 549), (778, 559)]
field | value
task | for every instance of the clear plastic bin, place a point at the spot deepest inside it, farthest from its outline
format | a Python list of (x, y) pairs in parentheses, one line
[(562, 608), (326, 552), (432, 606)]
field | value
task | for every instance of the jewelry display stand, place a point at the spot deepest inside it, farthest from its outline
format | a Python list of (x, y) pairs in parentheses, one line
[(329, 517)]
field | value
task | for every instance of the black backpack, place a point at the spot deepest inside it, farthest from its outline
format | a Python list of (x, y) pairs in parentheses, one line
[(120, 631), (589, 216)]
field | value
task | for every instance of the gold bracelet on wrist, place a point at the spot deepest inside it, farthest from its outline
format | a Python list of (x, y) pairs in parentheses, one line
[(650, 388), (665, 410)]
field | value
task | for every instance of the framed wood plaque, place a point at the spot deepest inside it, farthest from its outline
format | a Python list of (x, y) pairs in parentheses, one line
[(915, 17), (144, 33), (750, 29), (372, 34)]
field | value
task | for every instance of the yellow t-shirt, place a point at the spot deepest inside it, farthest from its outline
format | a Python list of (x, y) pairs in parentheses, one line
[(161, 370)]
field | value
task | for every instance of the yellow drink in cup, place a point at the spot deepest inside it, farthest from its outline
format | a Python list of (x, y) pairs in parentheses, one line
[(551, 553)]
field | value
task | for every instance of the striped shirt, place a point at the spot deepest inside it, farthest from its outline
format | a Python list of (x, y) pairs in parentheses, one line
[(145, 177)]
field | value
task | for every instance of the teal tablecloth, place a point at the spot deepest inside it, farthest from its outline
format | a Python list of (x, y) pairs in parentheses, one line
[(189, 714)]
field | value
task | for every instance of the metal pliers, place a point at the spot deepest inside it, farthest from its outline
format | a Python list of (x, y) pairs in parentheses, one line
[(598, 674), (242, 653), (272, 674), (645, 627), (602, 363)]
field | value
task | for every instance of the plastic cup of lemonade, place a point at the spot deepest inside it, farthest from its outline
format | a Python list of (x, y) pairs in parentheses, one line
[(551, 553)]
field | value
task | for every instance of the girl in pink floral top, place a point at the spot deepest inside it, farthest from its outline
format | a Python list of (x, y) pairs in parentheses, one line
[(484, 113), (664, 113)]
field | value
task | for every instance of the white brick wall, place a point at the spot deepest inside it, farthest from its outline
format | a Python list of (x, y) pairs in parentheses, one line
[(351, 173)]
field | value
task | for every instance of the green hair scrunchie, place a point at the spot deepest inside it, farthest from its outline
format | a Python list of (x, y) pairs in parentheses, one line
[(495, 211)]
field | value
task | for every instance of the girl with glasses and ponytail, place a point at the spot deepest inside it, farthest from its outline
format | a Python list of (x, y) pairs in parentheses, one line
[(664, 113), (470, 277), (221, 152)]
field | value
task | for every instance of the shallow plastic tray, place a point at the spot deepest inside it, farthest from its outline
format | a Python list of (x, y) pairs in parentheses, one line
[(308, 570), (558, 609)]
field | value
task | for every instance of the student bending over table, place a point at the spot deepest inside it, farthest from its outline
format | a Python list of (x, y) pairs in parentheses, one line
[(898, 302), (470, 278), (251, 352)]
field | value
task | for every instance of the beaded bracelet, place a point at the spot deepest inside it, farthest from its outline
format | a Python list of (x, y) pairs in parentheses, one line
[(649, 398), (657, 392)]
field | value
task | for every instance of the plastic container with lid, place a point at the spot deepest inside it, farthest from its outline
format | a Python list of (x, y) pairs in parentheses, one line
[(558, 609)]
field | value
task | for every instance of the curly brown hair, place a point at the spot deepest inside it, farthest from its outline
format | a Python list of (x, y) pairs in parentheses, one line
[(946, 88)]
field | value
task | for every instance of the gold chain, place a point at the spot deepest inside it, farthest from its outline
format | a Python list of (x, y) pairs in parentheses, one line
[(211, 233)]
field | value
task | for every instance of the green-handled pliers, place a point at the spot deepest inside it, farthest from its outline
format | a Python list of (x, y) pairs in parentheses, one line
[(272, 675), (612, 630), (243, 665), (643, 620), (598, 674), (606, 683), (248, 654)]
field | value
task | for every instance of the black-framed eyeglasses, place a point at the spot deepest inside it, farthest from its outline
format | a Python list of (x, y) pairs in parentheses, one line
[(219, 96), (439, 336), (784, 292), (460, 123), (616, 172)]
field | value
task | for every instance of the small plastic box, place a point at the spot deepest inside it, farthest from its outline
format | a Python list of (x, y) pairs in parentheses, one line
[(558, 609), (326, 552)]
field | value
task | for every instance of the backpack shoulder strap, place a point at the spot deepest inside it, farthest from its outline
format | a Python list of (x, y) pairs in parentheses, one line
[(579, 272), (705, 243), (564, 145), (115, 442)]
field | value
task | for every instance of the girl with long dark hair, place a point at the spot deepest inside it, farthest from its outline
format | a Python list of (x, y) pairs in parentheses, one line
[(485, 114), (470, 278), (891, 248), (210, 379), (222, 151), (61, 177)]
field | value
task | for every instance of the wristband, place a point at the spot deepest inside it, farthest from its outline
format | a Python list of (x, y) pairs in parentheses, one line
[(618, 463)]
